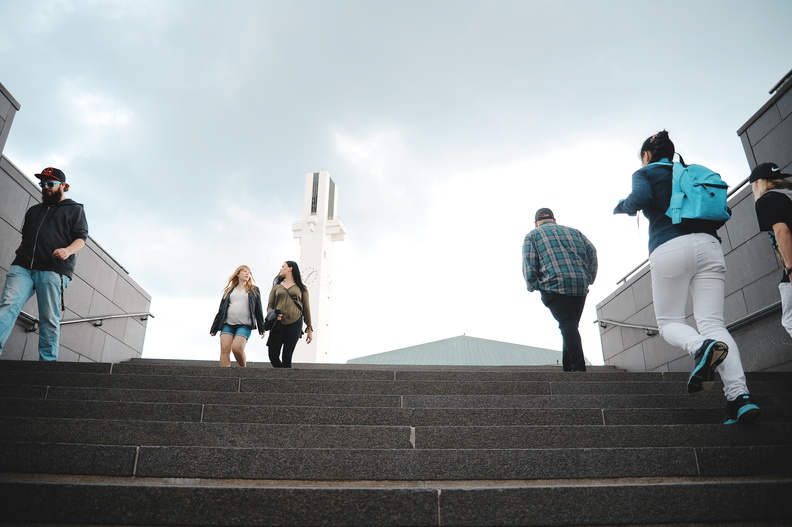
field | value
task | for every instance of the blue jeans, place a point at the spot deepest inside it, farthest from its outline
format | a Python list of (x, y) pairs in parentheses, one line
[(19, 286)]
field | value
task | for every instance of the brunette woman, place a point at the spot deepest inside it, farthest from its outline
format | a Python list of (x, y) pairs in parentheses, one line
[(239, 314), (290, 297), (683, 262)]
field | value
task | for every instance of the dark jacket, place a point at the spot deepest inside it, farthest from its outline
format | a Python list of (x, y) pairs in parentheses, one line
[(256, 313), (651, 193), (50, 227)]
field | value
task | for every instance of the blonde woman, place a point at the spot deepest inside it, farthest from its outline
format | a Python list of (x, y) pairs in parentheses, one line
[(773, 195), (289, 297), (239, 314)]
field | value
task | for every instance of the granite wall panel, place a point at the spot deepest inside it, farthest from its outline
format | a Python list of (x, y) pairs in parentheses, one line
[(734, 307), (763, 292), (78, 297), (612, 343), (763, 125), (776, 146)]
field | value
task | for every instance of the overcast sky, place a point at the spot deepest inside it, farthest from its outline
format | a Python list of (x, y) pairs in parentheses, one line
[(186, 129)]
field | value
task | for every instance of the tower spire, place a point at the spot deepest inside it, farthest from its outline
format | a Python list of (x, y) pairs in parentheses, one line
[(317, 232)]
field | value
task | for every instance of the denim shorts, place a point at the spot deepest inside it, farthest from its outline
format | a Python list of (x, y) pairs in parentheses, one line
[(241, 330)]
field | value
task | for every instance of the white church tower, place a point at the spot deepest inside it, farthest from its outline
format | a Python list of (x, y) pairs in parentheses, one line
[(317, 232)]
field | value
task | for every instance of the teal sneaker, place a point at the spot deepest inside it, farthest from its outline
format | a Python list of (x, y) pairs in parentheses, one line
[(707, 358), (741, 410)]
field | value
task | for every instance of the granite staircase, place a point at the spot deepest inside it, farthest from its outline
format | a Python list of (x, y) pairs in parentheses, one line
[(155, 442)]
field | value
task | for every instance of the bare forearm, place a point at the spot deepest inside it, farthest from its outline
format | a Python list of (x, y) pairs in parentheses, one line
[(783, 237)]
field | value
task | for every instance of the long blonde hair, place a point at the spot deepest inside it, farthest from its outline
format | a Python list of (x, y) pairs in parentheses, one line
[(763, 185), (233, 282)]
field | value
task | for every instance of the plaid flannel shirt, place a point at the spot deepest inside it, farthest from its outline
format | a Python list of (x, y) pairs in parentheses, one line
[(558, 259)]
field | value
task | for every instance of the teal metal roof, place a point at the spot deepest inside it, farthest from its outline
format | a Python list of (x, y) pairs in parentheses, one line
[(465, 351)]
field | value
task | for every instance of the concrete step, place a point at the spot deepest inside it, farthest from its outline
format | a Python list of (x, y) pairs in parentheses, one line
[(446, 437), (343, 386), (166, 433), (378, 374), (711, 399), (338, 372), (253, 503), (398, 367), (346, 415), (326, 464), (204, 368), (189, 443), (197, 396)]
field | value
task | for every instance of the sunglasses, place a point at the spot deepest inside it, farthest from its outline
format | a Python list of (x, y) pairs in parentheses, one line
[(48, 184)]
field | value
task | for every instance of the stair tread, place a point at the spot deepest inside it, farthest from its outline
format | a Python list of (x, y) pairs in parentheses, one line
[(345, 445)]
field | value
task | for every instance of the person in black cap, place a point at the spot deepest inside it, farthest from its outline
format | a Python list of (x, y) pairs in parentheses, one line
[(52, 233), (561, 263), (773, 195)]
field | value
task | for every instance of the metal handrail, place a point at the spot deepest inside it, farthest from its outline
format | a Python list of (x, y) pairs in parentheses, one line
[(650, 330), (640, 265), (143, 316), (756, 315), (737, 324), (98, 321)]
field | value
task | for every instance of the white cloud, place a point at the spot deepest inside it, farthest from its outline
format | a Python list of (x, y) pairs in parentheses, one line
[(458, 269)]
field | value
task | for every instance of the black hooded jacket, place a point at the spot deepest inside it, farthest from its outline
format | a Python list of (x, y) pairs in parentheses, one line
[(50, 227)]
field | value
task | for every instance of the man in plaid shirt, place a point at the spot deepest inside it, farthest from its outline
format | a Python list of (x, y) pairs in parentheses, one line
[(561, 263)]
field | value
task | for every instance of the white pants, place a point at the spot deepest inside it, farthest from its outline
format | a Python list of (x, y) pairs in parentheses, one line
[(786, 305), (695, 263)]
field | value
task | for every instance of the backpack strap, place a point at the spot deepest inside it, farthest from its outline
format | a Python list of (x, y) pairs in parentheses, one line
[(675, 203)]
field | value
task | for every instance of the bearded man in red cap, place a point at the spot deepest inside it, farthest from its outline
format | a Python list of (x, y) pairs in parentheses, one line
[(52, 234)]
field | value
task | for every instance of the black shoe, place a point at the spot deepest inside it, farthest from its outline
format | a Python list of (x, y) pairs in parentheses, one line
[(707, 358), (741, 410)]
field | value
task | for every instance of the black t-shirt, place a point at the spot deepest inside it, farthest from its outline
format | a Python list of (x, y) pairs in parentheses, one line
[(772, 208)]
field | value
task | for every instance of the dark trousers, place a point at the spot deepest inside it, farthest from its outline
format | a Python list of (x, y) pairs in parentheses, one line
[(285, 337), (567, 310)]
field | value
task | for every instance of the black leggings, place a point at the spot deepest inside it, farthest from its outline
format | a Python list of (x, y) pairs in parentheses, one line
[(283, 336)]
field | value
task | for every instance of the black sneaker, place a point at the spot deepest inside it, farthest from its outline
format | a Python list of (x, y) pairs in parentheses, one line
[(741, 410), (707, 358)]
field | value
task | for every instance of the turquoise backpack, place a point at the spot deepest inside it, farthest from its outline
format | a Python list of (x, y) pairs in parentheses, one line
[(698, 198)]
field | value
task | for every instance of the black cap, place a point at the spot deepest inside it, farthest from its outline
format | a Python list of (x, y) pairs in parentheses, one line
[(52, 174), (767, 171), (544, 214)]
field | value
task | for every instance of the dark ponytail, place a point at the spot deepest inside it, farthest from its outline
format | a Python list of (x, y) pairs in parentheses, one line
[(659, 146)]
